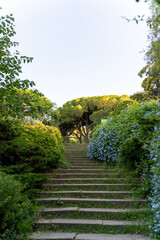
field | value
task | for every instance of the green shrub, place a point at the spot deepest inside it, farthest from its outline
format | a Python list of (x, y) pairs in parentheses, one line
[(9, 129), (16, 211), (26, 150), (31, 182), (35, 149), (132, 153), (10, 234)]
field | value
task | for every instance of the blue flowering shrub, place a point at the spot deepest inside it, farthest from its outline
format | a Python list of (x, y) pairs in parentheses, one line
[(107, 139), (155, 181), (132, 140)]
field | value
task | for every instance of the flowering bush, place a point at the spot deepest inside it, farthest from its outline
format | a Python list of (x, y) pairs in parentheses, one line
[(134, 134), (155, 180), (107, 139)]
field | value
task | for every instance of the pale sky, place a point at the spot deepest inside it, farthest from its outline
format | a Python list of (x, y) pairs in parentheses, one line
[(80, 47)]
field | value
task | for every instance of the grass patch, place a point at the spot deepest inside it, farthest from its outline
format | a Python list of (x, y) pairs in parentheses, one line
[(127, 216), (139, 229), (83, 204), (82, 195), (91, 188), (92, 181)]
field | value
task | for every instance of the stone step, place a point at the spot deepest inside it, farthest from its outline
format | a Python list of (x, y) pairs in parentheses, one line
[(91, 180), (67, 172), (80, 222), (92, 186), (110, 237), (90, 194), (95, 197), (53, 236), (79, 152), (86, 192), (86, 175), (74, 236), (78, 158), (72, 152), (79, 161), (67, 210), (100, 170), (76, 154), (76, 146), (86, 167), (81, 165), (82, 162), (94, 201)]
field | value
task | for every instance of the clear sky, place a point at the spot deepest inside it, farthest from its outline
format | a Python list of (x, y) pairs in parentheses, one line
[(80, 47)]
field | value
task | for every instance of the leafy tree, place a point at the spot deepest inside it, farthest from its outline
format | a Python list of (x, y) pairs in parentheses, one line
[(78, 115), (157, 1), (151, 71), (36, 104), (28, 102), (96, 117), (123, 106), (10, 61), (143, 97)]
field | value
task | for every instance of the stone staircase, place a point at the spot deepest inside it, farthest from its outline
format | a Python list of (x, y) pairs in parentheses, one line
[(90, 202)]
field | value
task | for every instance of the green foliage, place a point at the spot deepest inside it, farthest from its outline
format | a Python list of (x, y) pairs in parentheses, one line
[(150, 72), (154, 1), (144, 97), (82, 114), (25, 151), (28, 103), (9, 129), (132, 153), (35, 149), (31, 182), (122, 106), (96, 117), (9, 234), (10, 64), (16, 211), (151, 82)]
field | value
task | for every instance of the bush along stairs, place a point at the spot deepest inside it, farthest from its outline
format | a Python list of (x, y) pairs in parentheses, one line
[(89, 202)]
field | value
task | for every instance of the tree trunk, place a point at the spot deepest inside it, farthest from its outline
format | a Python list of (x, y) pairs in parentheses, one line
[(78, 137), (86, 139)]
